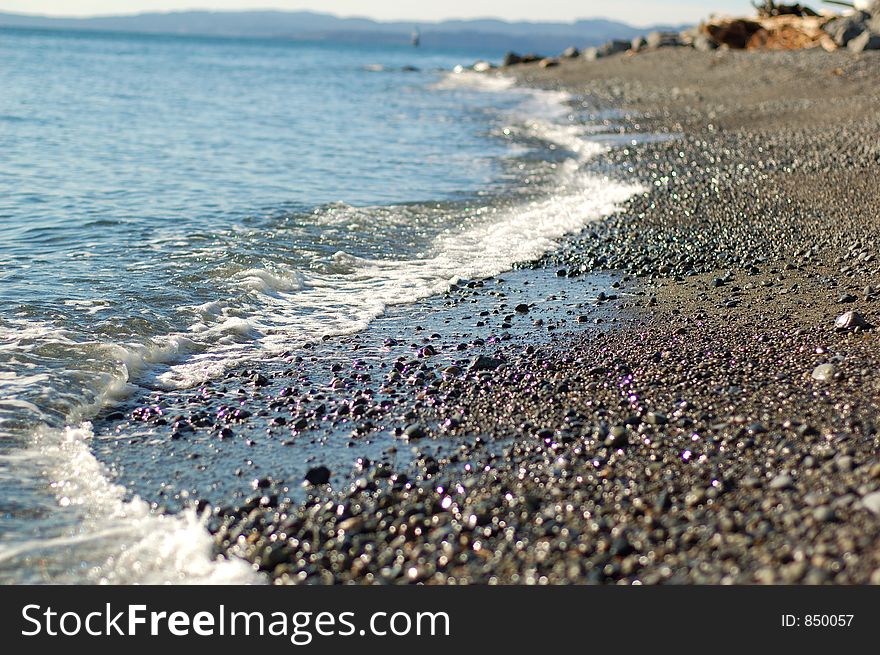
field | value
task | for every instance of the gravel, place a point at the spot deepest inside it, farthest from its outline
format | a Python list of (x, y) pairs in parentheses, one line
[(684, 431)]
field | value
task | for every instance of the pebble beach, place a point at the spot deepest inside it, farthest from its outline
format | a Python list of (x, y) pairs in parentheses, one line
[(683, 393)]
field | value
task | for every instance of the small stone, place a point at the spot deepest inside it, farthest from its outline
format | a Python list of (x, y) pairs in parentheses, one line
[(655, 418), (823, 514), (318, 476), (694, 497), (483, 363), (621, 547), (522, 309), (847, 298), (414, 432), (871, 502), (750, 482), (782, 482), (851, 321), (844, 463), (824, 372), (351, 525), (617, 437)]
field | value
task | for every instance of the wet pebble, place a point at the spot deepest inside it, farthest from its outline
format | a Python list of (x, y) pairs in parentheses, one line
[(318, 476)]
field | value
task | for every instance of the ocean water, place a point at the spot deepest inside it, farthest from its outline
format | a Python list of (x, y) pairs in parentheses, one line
[(172, 207)]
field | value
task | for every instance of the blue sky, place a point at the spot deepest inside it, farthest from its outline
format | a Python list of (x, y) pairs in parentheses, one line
[(638, 12)]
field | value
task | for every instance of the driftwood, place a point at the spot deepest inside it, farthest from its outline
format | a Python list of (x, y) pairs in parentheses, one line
[(783, 32), (768, 9)]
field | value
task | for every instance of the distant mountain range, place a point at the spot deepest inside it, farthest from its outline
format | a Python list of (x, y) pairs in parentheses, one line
[(483, 34)]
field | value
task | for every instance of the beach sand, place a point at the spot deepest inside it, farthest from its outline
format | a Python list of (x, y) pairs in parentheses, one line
[(673, 428)]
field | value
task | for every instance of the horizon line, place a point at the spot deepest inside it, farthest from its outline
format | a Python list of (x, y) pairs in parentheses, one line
[(171, 12)]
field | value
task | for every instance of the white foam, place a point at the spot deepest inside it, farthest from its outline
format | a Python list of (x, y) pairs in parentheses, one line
[(119, 541), (361, 290), (465, 79), (267, 280)]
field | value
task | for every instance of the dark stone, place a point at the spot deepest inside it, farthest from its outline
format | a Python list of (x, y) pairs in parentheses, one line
[(414, 432), (614, 47), (318, 476), (867, 40), (620, 547), (844, 29), (483, 363), (655, 418), (511, 59), (617, 438)]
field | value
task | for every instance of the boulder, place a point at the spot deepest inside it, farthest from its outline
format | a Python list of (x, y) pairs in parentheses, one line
[(844, 29), (867, 40), (637, 43), (614, 47), (689, 35), (663, 40), (511, 59), (704, 43), (482, 66), (570, 53), (591, 54), (548, 62)]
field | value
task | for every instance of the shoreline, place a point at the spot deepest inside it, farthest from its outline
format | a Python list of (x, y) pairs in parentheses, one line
[(694, 442)]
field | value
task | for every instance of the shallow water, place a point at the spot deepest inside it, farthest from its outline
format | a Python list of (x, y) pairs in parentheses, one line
[(172, 207)]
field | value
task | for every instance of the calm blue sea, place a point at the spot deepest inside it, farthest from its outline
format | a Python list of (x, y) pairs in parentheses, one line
[(171, 206)]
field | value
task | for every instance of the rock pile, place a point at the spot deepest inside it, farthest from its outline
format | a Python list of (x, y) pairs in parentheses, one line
[(858, 31), (776, 27)]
